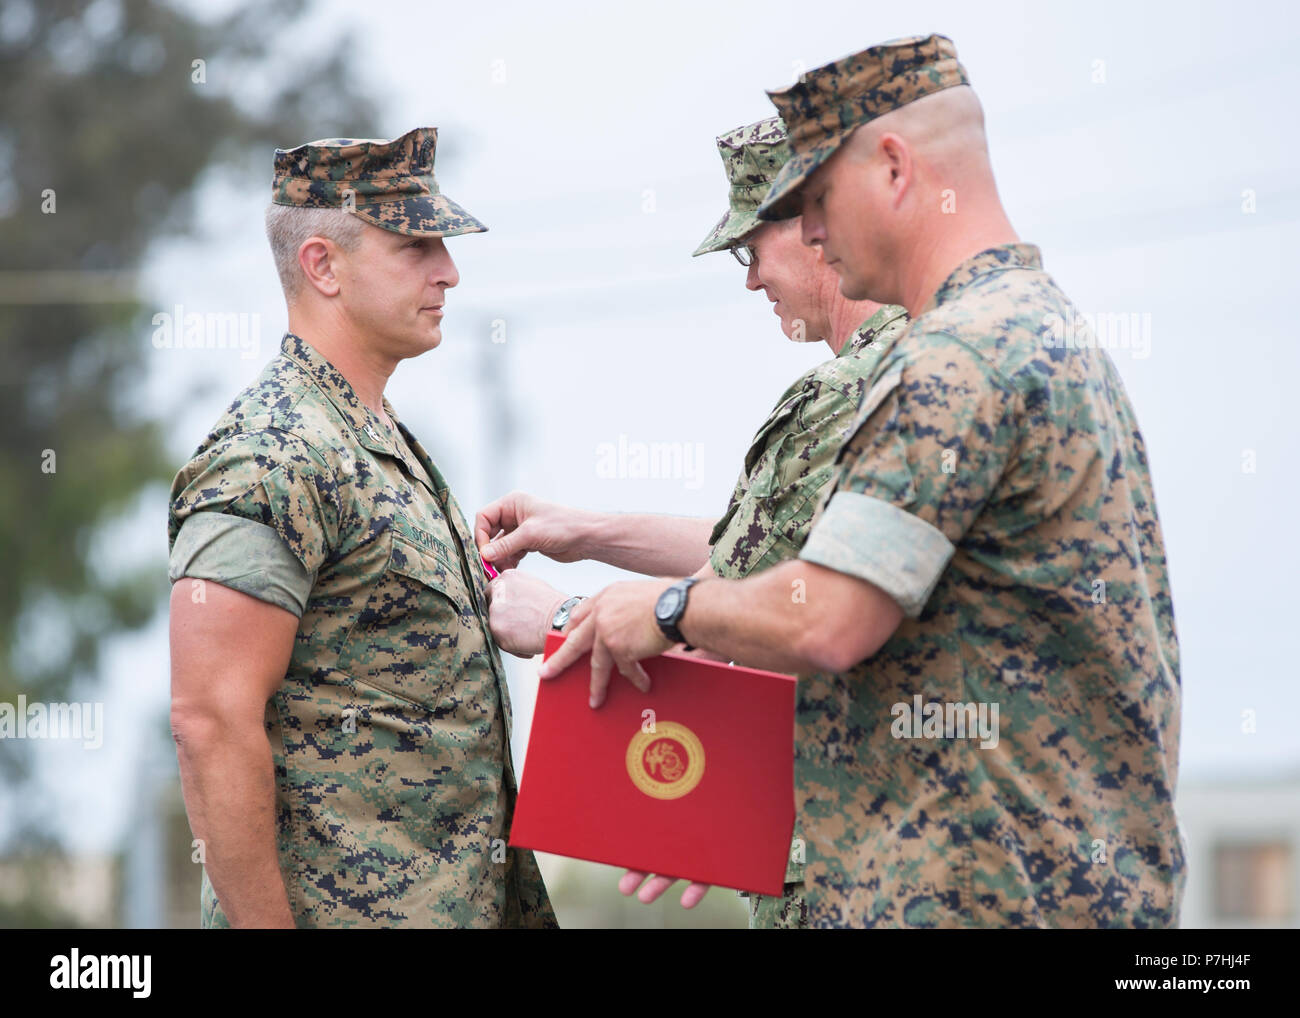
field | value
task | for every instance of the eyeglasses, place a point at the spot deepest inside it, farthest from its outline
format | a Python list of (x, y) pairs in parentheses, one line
[(745, 254)]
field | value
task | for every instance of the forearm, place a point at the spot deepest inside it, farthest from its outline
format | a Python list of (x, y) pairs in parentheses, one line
[(646, 543), (228, 783), (796, 617), (758, 622)]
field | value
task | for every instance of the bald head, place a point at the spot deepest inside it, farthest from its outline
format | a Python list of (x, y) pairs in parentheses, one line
[(902, 193), (944, 130)]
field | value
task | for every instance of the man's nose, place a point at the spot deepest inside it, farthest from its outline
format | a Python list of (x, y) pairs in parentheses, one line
[(812, 229), (752, 281), (444, 271)]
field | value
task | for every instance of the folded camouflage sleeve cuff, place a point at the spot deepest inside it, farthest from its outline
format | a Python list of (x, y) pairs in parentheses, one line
[(869, 538), (219, 547)]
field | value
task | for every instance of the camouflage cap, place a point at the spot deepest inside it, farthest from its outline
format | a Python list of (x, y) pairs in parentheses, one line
[(752, 156), (390, 183), (824, 106)]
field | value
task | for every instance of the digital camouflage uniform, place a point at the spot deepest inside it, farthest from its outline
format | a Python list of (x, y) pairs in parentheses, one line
[(390, 733), (996, 486), (789, 460), (788, 464)]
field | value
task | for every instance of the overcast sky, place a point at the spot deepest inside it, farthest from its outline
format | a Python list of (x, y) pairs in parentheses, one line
[(1124, 137)]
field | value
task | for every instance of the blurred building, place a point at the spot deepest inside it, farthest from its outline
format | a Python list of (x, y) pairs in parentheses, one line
[(59, 892), (1243, 845)]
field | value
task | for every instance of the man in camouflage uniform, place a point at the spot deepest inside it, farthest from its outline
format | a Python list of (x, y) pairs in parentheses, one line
[(786, 468), (328, 599), (990, 540)]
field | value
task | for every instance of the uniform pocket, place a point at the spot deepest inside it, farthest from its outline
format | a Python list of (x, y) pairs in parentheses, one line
[(749, 533), (766, 479), (416, 629)]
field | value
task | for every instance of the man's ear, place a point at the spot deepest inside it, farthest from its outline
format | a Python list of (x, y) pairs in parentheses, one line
[(898, 164), (316, 258)]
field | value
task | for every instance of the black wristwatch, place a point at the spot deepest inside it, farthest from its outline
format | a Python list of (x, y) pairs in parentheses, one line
[(671, 606), (561, 617)]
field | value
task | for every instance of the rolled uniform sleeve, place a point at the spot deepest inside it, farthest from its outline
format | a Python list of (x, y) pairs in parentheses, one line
[(931, 440), (255, 513)]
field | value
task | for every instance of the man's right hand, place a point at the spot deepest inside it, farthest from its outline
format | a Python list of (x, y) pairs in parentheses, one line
[(509, 528)]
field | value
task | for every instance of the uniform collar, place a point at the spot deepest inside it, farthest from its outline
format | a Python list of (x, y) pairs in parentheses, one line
[(370, 431), (995, 259), (365, 424), (868, 331)]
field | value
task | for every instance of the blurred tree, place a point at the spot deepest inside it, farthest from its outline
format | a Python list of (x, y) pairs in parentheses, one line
[(111, 112)]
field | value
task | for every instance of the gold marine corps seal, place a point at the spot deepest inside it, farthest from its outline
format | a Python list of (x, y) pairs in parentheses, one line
[(666, 762)]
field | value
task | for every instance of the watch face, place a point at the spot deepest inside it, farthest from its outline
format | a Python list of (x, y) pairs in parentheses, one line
[(667, 604), (563, 612)]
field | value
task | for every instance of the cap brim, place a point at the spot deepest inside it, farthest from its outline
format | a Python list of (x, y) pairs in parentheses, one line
[(732, 228), (782, 201), (433, 215)]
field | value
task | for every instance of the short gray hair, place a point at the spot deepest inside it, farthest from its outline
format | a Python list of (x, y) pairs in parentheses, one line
[(287, 226)]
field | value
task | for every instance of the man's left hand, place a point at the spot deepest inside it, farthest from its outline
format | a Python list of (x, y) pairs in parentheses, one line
[(618, 626), (522, 606)]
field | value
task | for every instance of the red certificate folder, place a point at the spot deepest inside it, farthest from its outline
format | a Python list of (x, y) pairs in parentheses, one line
[(694, 779)]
